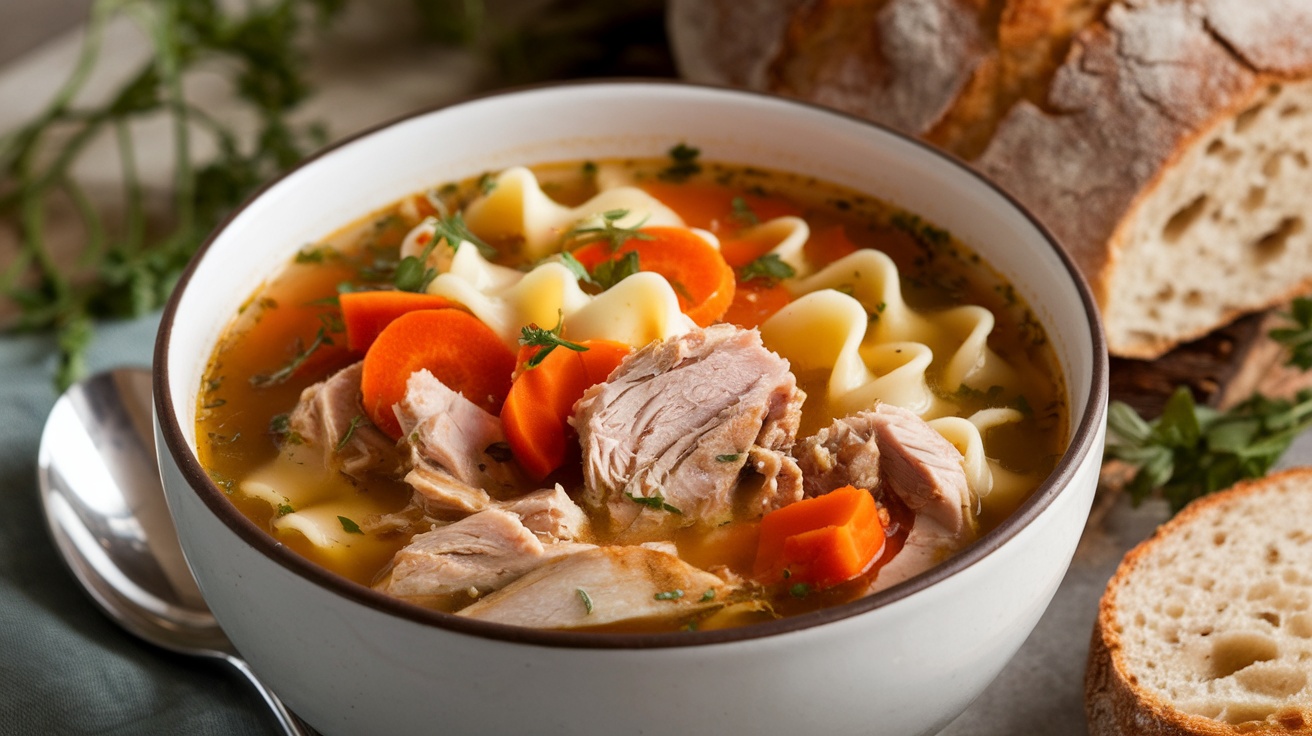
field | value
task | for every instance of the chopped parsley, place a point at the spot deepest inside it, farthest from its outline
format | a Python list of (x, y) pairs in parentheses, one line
[(224, 483), (709, 595), (923, 232), (769, 267), (669, 595), (281, 428), (683, 163), (548, 340), (486, 183), (609, 273), (314, 254), (654, 502), (453, 230), (743, 213), (728, 458), (578, 269), (349, 526), (800, 590), (587, 599), (284, 509)]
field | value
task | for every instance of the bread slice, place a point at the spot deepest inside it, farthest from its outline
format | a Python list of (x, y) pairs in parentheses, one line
[(1165, 142), (1206, 628)]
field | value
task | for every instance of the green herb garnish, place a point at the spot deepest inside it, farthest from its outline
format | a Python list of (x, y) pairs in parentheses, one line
[(800, 590), (453, 230), (709, 595), (587, 599), (284, 509), (350, 527), (609, 230), (1297, 339), (548, 340), (265, 380), (578, 269), (669, 595), (769, 267), (486, 183), (611, 272), (923, 232), (653, 502), (743, 213), (684, 164), (350, 430), (728, 458), (1191, 451)]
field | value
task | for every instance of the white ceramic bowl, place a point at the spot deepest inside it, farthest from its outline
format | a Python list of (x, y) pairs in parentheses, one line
[(352, 661)]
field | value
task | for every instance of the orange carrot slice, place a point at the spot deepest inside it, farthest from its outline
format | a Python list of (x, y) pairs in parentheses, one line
[(821, 541), (367, 313), (536, 414), (462, 352), (703, 282)]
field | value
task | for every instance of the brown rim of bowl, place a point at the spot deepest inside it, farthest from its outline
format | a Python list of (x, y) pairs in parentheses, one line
[(1079, 447)]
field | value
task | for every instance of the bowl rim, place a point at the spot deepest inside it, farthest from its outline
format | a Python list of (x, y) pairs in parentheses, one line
[(1081, 443)]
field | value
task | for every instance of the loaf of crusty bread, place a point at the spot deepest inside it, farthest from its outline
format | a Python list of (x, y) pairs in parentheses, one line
[(1165, 142), (1206, 628)]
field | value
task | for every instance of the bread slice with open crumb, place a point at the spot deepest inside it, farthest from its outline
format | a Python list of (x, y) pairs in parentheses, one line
[(1206, 628)]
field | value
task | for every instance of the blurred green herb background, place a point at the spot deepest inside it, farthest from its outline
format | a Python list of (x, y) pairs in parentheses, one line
[(128, 263)]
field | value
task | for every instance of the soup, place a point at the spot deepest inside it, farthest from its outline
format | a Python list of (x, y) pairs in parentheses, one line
[(632, 395)]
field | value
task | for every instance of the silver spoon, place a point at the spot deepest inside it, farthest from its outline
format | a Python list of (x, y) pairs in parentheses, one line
[(104, 504)]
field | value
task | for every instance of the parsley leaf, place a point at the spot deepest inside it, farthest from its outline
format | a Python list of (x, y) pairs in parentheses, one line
[(578, 269), (350, 430), (743, 213), (769, 267), (1191, 451), (669, 595), (709, 595), (453, 230), (349, 526), (548, 340), (587, 599), (609, 273), (728, 458), (800, 590), (653, 502)]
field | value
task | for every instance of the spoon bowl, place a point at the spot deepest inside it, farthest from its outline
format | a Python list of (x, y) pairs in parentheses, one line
[(105, 508)]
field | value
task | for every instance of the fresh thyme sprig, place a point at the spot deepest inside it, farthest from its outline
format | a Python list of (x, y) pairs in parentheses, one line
[(130, 270), (547, 340), (608, 230)]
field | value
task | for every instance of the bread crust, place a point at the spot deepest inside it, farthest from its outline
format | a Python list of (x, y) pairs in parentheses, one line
[(1078, 107), (1114, 703)]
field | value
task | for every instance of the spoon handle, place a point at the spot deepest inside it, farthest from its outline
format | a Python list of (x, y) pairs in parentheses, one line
[(291, 725)]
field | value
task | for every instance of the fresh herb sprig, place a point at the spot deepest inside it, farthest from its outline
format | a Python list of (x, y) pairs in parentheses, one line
[(129, 270), (1191, 451), (611, 272), (547, 340), (608, 229)]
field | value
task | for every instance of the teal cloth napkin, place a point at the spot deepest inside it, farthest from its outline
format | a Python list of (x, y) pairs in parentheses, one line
[(65, 668)]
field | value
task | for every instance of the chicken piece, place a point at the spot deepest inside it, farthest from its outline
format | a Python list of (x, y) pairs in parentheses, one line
[(668, 434), (329, 417), (601, 586)]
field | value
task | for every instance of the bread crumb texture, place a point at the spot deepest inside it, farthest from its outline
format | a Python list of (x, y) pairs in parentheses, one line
[(1206, 628)]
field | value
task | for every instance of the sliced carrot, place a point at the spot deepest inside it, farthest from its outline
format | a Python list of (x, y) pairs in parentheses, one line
[(367, 313), (703, 282), (710, 206), (459, 350), (821, 541), (827, 245), (756, 301), (536, 414)]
